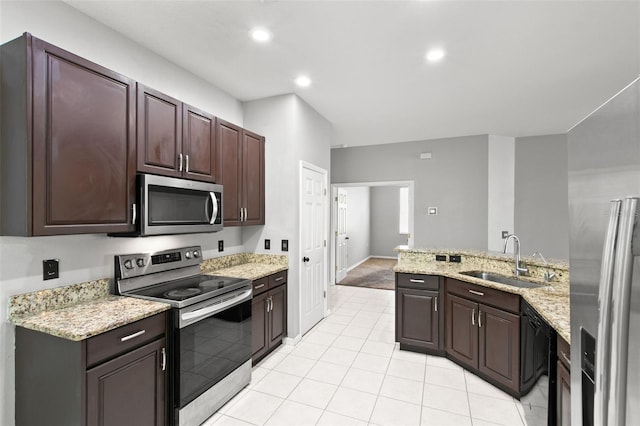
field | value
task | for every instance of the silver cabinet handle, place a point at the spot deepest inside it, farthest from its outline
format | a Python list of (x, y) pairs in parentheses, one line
[(133, 214), (416, 281), (241, 214), (477, 293), (279, 279), (186, 158), (164, 360), (258, 287), (479, 318), (180, 162), (133, 336), (473, 316), (436, 304), (245, 214), (566, 358)]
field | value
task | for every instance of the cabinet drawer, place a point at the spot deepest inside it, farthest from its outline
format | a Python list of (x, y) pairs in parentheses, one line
[(418, 281), (564, 352), (488, 296), (277, 279), (122, 339), (260, 286)]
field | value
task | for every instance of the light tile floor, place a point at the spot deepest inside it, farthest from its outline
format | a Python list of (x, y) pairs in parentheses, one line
[(349, 371)]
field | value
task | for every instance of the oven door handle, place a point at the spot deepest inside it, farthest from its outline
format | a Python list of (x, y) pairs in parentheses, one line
[(194, 316)]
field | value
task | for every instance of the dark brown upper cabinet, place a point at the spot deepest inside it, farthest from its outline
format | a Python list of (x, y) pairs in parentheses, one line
[(174, 139), (68, 143), (241, 166)]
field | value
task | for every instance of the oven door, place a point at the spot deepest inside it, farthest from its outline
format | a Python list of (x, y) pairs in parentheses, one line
[(211, 339)]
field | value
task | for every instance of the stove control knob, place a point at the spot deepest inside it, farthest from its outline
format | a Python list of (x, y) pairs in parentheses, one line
[(187, 255), (196, 253), (140, 262), (128, 264)]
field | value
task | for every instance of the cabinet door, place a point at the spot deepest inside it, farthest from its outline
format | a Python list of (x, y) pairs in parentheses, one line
[(259, 323), (199, 144), (128, 390), (461, 328), (230, 169), (499, 350), (418, 318), (159, 132), (253, 178), (83, 145), (563, 395), (278, 315)]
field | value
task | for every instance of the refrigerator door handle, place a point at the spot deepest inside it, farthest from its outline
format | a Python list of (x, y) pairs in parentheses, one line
[(622, 276), (601, 396)]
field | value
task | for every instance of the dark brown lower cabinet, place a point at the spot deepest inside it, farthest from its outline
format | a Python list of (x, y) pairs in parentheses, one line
[(268, 314), (108, 379), (482, 337)]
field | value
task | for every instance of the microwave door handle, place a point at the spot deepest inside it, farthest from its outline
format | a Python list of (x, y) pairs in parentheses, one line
[(214, 213)]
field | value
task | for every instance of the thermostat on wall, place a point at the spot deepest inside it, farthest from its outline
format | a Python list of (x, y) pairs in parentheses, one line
[(432, 211)]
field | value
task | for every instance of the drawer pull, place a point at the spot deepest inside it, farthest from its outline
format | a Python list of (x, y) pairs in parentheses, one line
[(279, 279), (258, 287), (133, 336), (477, 293), (416, 281), (566, 358)]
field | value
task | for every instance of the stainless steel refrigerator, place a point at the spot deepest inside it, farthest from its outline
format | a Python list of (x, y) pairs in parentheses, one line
[(604, 183)]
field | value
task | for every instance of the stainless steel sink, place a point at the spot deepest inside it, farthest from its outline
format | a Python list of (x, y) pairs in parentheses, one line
[(501, 279)]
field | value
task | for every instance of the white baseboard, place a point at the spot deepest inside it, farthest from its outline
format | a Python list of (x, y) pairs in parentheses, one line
[(358, 264), (292, 340), (384, 257)]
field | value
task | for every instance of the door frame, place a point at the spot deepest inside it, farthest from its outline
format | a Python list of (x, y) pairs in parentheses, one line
[(325, 227), (334, 212)]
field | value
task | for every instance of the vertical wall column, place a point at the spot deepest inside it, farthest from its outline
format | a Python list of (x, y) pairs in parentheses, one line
[(501, 189)]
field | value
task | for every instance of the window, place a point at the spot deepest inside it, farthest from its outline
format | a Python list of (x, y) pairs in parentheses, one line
[(404, 210)]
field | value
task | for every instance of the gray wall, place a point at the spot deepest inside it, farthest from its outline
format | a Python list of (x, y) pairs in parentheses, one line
[(385, 221), (541, 197), (294, 132), (358, 224), (454, 180)]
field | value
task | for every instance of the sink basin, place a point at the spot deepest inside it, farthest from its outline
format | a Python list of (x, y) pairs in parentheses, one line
[(501, 279)]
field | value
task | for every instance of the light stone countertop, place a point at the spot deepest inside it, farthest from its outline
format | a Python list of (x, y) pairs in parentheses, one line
[(79, 311), (246, 265), (551, 302)]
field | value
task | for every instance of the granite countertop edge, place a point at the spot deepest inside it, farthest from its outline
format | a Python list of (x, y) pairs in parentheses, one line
[(544, 299)]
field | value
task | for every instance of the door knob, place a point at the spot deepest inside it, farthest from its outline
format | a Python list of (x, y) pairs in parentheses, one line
[(305, 259)]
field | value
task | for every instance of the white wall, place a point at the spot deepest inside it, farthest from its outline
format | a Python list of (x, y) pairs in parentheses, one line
[(358, 220), (385, 221), (294, 132), (89, 257), (500, 190)]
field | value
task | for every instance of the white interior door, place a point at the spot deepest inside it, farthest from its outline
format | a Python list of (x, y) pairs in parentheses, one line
[(342, 247), (313, 247)]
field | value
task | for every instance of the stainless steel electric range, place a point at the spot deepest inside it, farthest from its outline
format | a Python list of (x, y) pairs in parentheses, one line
[(210, 330)]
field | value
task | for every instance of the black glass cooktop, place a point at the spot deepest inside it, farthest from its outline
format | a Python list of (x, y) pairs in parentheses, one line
[(191, 287)]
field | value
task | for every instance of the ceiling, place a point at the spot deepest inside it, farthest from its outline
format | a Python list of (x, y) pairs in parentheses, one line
[(512, 68)]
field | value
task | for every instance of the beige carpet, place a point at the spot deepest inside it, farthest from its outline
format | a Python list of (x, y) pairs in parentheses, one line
[(374, 273)]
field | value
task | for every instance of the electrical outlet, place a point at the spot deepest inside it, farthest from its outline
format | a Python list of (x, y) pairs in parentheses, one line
[(285, 245), (441, 258), (50, 269), (505, 234), (455, 258), (220, 245), (267, 244)]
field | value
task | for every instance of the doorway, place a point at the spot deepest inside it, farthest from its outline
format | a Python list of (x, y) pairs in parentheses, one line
[(368, 220), (313, 245)]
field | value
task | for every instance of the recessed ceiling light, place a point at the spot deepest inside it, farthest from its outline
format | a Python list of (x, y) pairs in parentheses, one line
[(261, 35), (435, 55), (303, 81)]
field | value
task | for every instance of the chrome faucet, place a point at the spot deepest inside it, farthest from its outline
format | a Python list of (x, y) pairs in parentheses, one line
[(520, 269), (548, 276)]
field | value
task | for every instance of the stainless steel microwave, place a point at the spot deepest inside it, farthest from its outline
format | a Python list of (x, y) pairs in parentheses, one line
[(167, 205)]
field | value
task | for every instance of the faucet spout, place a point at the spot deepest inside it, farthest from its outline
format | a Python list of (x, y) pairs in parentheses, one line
[(520, 269)]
